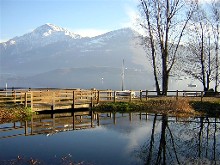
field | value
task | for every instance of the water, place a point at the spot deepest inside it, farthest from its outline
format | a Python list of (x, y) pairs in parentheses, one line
[(110, 139)]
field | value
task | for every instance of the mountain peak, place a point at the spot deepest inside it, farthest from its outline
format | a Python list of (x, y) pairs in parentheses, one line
[(50, 29), (41, 36)]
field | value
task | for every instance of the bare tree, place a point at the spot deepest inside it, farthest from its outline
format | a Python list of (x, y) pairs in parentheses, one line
[(200, 62), (215, 25), (164, 22)]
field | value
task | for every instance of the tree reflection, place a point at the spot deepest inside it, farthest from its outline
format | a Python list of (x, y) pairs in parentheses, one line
[(182, 142)]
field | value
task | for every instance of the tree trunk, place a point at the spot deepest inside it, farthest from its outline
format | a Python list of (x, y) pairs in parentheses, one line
[(165, 76), (150, 153), (216, 60), (162, 146), (165, 84), (202, 60), (152, 44)]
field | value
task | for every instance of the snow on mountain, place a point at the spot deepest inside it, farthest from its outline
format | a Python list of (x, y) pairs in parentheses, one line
[(40, 37), (110, 35), (114, 38), (53, 30), (49, 47)]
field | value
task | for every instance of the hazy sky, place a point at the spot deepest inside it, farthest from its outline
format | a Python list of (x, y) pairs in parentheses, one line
[(84, 17), (87, 17)]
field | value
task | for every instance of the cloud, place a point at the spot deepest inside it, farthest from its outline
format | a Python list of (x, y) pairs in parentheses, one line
[(3, 40), (134, 19), (132, 15)]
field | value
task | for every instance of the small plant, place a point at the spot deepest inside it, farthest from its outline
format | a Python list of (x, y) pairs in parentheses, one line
[(116, 107), (17, 113)]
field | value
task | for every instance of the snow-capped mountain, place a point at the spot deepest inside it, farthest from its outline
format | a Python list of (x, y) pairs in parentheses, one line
[(50, 47), (40, 37)]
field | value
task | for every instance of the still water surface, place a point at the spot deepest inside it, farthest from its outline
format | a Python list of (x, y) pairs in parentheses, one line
[(110, 139)]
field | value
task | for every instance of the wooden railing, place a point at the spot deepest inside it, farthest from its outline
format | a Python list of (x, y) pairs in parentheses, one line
[(53, 99)]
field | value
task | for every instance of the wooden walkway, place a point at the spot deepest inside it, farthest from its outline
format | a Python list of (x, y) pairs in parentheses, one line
[(57, 99)]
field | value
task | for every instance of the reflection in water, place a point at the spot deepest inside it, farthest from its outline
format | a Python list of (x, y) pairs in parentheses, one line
[(129, 138), (50, 124), (192, 141)]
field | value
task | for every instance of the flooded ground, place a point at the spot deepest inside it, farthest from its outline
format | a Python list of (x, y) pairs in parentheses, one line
[(110, 139)]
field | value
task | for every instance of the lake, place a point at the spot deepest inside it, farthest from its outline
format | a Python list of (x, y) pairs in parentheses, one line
[(110, 139)]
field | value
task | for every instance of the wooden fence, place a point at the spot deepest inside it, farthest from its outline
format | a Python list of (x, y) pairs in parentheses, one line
[(53, 99)]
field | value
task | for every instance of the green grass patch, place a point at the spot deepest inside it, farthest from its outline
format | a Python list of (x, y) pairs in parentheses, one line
[(184, 107), (13, 114), (116, 107), (210, 108), (179, 107)]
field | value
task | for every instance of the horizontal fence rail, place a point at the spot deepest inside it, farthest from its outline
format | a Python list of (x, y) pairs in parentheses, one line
[(52, 99)]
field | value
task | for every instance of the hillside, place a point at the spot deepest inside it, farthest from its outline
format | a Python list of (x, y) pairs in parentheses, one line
[(36, 58)]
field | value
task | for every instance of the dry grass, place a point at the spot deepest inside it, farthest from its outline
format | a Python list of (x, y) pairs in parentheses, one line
[(13, 113), (168, 106), (179, 108)]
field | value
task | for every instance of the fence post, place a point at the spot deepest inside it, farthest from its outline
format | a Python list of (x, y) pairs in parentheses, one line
[(130, 116), (98, 98), (91, 100), (130, 97), (140, 95), (21, 97), (14, 93), (26, 128), (114, 118), (73, 105), (74, 120), (201, 96), (146, 95), (114, 96), (53, 101), (110, 94), (32, 104), (177, 94), (92, 118), (25, 99), (98, 121)]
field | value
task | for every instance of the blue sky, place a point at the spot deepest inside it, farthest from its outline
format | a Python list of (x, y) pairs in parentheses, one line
[(87, 17)]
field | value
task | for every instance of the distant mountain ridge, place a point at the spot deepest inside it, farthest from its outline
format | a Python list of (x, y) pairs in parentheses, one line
[(50, 33), (50, 47), (41, 36)]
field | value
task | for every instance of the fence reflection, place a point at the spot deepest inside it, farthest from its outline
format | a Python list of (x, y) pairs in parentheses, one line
[(53, 123)]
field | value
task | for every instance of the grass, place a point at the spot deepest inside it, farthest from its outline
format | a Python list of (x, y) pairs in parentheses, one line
[(13, 113), (208, 108), (183, 107)]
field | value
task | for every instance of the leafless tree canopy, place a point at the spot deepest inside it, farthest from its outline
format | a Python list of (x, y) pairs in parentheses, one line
[(201, 61), (165, 22)]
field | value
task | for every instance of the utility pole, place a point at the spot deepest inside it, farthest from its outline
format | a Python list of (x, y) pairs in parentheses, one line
[(123, 75)]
